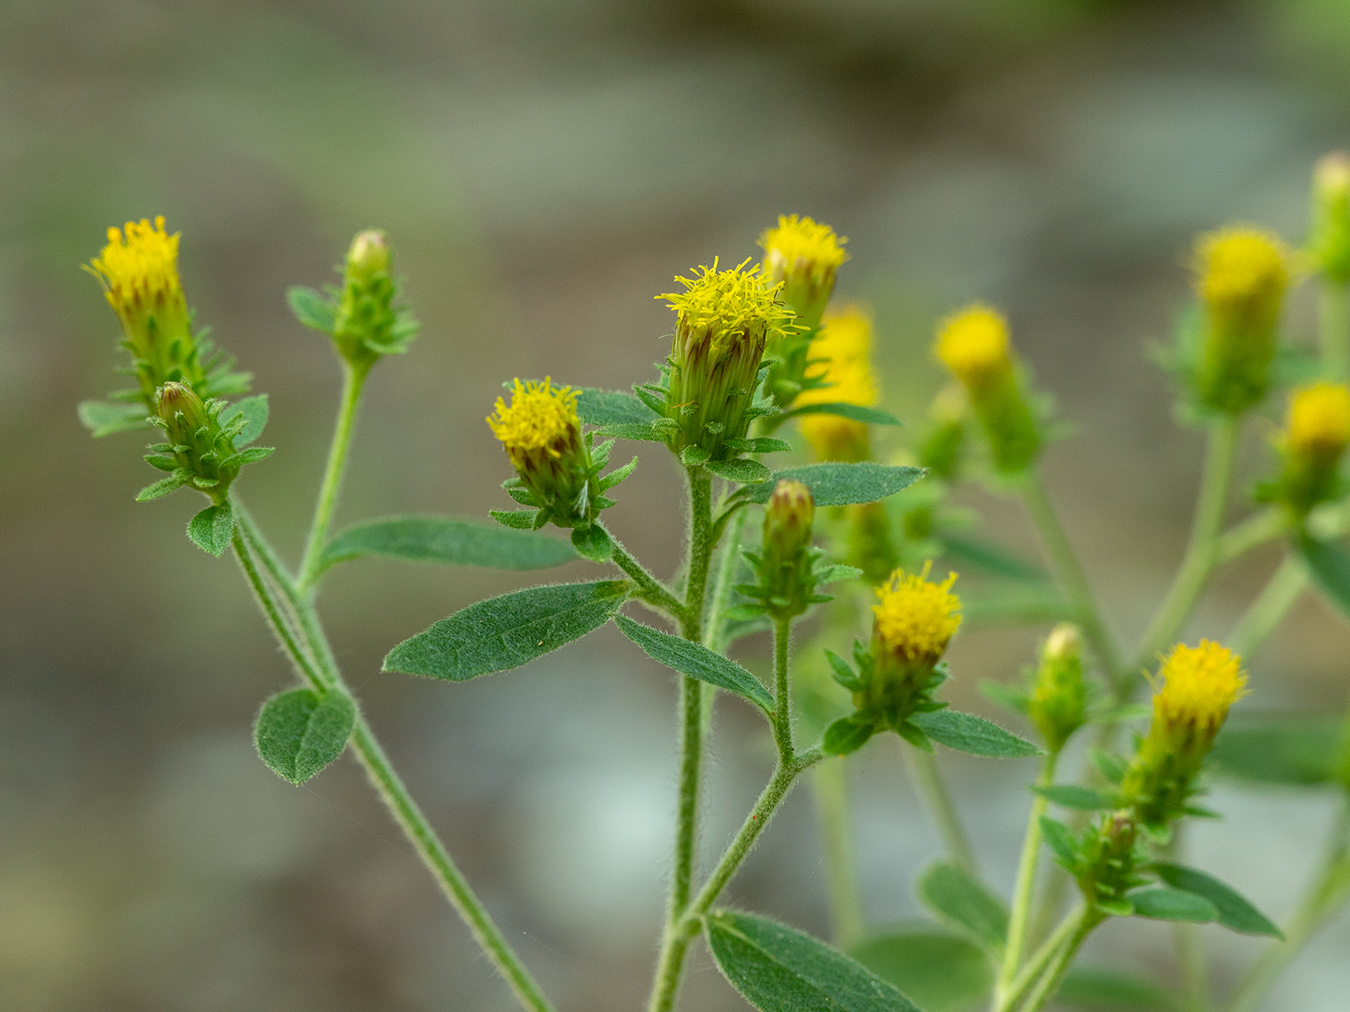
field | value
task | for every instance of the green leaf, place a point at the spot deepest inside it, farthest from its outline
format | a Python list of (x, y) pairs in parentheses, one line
[(298, 733), (1279, 748), (312, 309), (164, 486), (253, 454), (777, 969), (840, 484), (617, 475), (693, 456), (1235, 912), (747, 472), (759, 444), (1097, 989), (253, 410), (966, 732), (212, 528), (963, 903), (993, 559), (1084, 799), (517, 520), (835, 573), (696, 661), (855, 412), (1329, 565), (592, 543), (448, 540), (1061, 839), (632, 430), (940, 972), (612, 407), (507, 631), (1161, 903), (848, 734), (103, 418)]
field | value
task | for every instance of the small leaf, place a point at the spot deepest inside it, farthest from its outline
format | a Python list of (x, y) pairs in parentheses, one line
[(1329, 565), (103, 418), (298, 733), (747, 472), (942, 973), (1096, 989), (840, 484), (836, 573), (163, 487), (612, 407), (697, 661), (777, 969), (312, 309), (854, 412), (966, 732), (1279, 748), (507, 631), (842, 672), (1234, 911), (253, 410), (518, 520), (1061, 840), (848, 734), (1164, 904), (617, 475), (963, 903), (1111, 767), (759, 444), (631, 430), (693, 456), (592, 543), (448, 540), (1084, 799), (253, 454), (212, 528)]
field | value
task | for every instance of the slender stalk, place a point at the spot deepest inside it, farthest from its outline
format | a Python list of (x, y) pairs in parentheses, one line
[(1026, 883), (272, 611), (1202, 550), (1038, 962), (713, 627), (1269, 608), (1256, 530), (651, 590), (928, 779), (1053, 974), (1334, 327), (1192, 960), (1069, 572), (782, 714), (353, 380), (829, 783)]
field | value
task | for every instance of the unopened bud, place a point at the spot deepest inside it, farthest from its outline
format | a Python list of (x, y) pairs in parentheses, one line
[(196, 440), (1316, 433), (1059, 695), (1330, 235), (785, 566), (368, 256), (182, 411), (367, 324)]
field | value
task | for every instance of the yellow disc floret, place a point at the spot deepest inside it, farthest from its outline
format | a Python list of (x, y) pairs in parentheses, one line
[(843, 348), (916, 618), (1241, 264), (729, 306), (973, 344), (799, 243), (139, 267), (539, 417), (1318, 421), (1196, 687)]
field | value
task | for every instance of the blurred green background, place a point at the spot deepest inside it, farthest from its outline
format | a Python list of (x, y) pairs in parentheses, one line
[(544, 168)]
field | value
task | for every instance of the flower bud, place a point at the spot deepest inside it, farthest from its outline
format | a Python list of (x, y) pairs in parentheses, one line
[(1329, 241), (195, 438), (843, 348), (1241, 277), (1059, 695), (973, 344), (1316, 433), (541, 433), (367, 257), (1195, 688), (941, 446), (725, 320), (366, 320), (785, 565), (1107, 865), (914, 621), (805, 258)]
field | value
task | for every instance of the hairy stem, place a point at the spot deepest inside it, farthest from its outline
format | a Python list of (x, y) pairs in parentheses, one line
[(829, 783), (782, 714), (1036, 965), (1025, 886), (1269, 608), (1053, 974), (933, 789), (713, 628), (353, 380), (650, 589)]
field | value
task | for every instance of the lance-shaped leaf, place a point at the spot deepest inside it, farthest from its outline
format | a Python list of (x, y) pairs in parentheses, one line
[(966, 732), (1279, 748), (853, 412), (1084, 799), (942, 973), (612, 407), (212, 528), (962, 902), (300, 732), (740, 469), (1235, 912), (312, 309), (696, 661), (451, 540), (1329, 564), (777, 969), (103, 418), (508, 631), (839, 484), (1163, 904)]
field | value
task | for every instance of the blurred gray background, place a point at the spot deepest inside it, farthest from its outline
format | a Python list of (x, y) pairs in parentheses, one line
[(544, 168)]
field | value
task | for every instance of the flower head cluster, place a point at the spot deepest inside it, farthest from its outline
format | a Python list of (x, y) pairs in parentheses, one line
[(805, 256), (541, 433), (843, 348)]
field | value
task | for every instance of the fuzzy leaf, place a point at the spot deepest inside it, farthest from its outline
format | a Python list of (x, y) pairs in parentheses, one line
[(519, 520), (963, 903), (164, 486), (777, 969), (254, 411), (1061, 839), (617, 475), (1279, 748), (835, 573), (253, 454), (854, 412), (840, 484), (747, 472), (966, 732), (1161, 903), (693, 456), (759, 444), (848, 734), (212, 528), (298, 733), (1235, 912), (312, 309), (1097, 989), (103, 418), (696, 661), (448, 540), (507, 631), (942, 973), (628, 430), (612, 407), (593, 543), (1071, 796)]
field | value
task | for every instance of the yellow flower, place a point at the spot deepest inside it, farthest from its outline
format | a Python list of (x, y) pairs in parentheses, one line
[(843, 348), (1197, 687), (805, 257), (974, 345), (1318, 421), (729, 308), (539, 420), (915, 618), (1239, 267)]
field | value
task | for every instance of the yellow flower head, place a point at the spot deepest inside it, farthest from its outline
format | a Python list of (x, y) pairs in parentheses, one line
[(916, 618), (974, 345), (727, 308), (1195, 688), (843, 348), (1318, 422), (1241, 266), (802, 244), (539, 418)]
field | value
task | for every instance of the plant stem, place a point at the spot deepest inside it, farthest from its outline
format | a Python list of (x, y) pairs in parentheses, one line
[(928, 779), (1053, 974), (311, 564), (713, 630), (1069, 572), (1192, 961), (829, 782), (1037, 963), (1334, 327), (782, 714), (1202, 550), (1269, 608), (324, 676), (652, 591), (1026, 883), (1256, 530)]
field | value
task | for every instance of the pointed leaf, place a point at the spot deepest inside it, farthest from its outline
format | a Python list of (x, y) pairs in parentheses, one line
[(853, 412), (777, 969), (212, 528), (253, 454), (298, 733), (312, 309), (507, 631), (942, 973), (836, 573), (848, 734), (1083, 799), (163, 487), (1235, 912), (759, 444), (253, 410), (632, 430), (1061, 840), (612, 407), (1161, 903), (450, 541), (840, 484), (746, 472), (963, 903), (592, 543), (697, 661), (617, 475), (1279, 748), (519, 520), (103, 418), (966, 732)]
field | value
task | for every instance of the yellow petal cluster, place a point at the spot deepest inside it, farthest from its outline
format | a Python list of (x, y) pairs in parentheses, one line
[(138, 269), (844, 349), (1240, 264), (802, 244), (539, 417), (974, 345), (1197, 687), (916, 618), (727, 305), (1318, 420)]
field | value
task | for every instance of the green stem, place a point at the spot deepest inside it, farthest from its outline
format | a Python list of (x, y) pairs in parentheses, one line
[(1069, 572), (1334, 327), (1038, 962), (1053, 974), (1256, 530), (1025, 887), (353, 379), (273, 612), (651, 590), (713, 628), (928, 779), (829, 783), (701, 544), (1269, 608), (782, 714), (1192, 961), (1202, 550)]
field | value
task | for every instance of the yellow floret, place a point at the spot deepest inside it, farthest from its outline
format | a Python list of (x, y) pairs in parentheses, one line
[(973, 344), (1197, 687), (729, 304), (1318, 418), (1239, 264), (843, 346), (801, 243), (139, 269), (915, 617), (539, 417)]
